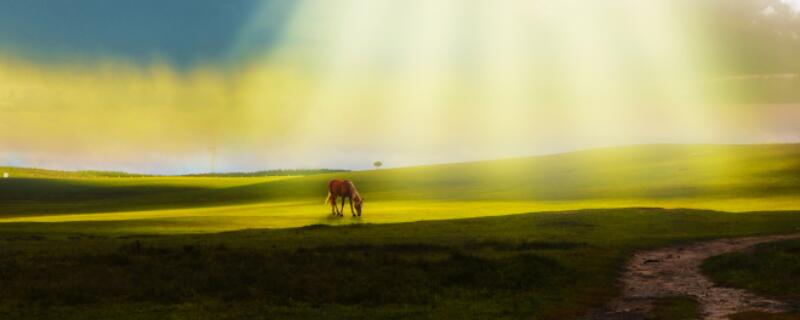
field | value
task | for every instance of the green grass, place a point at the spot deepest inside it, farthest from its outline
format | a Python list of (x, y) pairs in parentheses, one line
[(771, 269), (140, 247), (676, 308), (18, 172), (532, 266), (730, 178), (755, 315), (268, 173)]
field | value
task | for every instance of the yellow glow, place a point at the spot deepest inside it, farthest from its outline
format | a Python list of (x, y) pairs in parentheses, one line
[(406, 82), (491, 91)]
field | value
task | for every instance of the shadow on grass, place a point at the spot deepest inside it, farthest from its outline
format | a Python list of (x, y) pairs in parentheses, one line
[(755, 315), (675, 308), (347, 275), (771, 269)]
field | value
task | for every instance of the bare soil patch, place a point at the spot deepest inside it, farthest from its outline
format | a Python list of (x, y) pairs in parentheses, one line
[(675, 271)]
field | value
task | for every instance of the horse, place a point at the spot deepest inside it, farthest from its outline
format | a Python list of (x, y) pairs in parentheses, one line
[(344, 189)]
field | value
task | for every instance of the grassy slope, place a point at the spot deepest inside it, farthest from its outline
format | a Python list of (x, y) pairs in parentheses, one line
[(734, 178), (267, 173), (18, 172), (531, 266), (676, 308), (771, 269)]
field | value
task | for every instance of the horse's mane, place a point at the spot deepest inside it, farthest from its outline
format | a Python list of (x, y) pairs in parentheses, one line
[(355, 191)]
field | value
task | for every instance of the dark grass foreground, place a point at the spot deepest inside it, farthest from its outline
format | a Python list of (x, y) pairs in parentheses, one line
[(771, 269), (365, 275), (676, 308), (531, 266)]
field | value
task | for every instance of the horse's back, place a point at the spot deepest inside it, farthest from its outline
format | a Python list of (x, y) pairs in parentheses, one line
[(339, 187), (333, 185)]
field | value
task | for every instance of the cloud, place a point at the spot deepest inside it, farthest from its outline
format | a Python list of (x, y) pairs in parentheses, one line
[(182, 33), (794, 5)]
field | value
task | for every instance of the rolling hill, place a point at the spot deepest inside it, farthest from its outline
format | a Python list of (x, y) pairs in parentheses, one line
[(732, 178)]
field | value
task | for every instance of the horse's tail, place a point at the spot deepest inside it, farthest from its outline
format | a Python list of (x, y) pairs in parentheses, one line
[(328, 199)]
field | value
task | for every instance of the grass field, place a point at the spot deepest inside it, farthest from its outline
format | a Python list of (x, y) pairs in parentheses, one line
[(676, 308), (87, 246), (533, 266), (772, 269), (728, 178)]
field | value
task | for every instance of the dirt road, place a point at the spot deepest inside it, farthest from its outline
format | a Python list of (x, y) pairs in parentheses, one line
[(675, 271)]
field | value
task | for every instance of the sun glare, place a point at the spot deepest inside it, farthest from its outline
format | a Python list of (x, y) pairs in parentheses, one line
[(522, 75), (409, 82)]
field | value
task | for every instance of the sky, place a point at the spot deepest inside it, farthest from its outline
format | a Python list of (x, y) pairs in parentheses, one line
[(182, 86)]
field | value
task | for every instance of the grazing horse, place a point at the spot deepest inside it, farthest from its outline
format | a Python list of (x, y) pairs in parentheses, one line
[(344, 189)]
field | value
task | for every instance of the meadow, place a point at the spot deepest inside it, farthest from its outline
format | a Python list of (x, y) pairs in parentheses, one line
[(771, 269), (534, 238), (726, 178)]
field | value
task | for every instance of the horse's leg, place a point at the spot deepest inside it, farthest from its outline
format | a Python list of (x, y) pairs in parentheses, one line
[(332, 202), (341, 212), (353, 212)]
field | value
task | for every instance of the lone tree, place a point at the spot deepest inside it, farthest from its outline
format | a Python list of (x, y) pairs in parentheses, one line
[(377, 164)]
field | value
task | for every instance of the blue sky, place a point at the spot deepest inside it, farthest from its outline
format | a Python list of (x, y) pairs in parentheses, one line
[(180, 32)]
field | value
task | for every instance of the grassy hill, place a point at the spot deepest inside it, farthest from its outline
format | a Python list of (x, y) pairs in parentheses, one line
[(77, 248), (268, 173), (733, 178), (19, 172), (639, 172)]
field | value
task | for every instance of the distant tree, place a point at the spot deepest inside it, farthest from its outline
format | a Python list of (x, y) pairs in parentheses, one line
[(377, 164)]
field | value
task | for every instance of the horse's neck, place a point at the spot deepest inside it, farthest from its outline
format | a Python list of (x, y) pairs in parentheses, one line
[(354, 192)]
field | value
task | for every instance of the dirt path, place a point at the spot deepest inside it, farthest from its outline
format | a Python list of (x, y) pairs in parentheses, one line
[(675, 271)]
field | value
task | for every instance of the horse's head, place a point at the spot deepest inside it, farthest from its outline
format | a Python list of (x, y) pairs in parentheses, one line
[(359, 202)]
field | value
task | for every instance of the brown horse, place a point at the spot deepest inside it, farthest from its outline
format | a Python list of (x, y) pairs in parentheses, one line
[(344, 189)]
